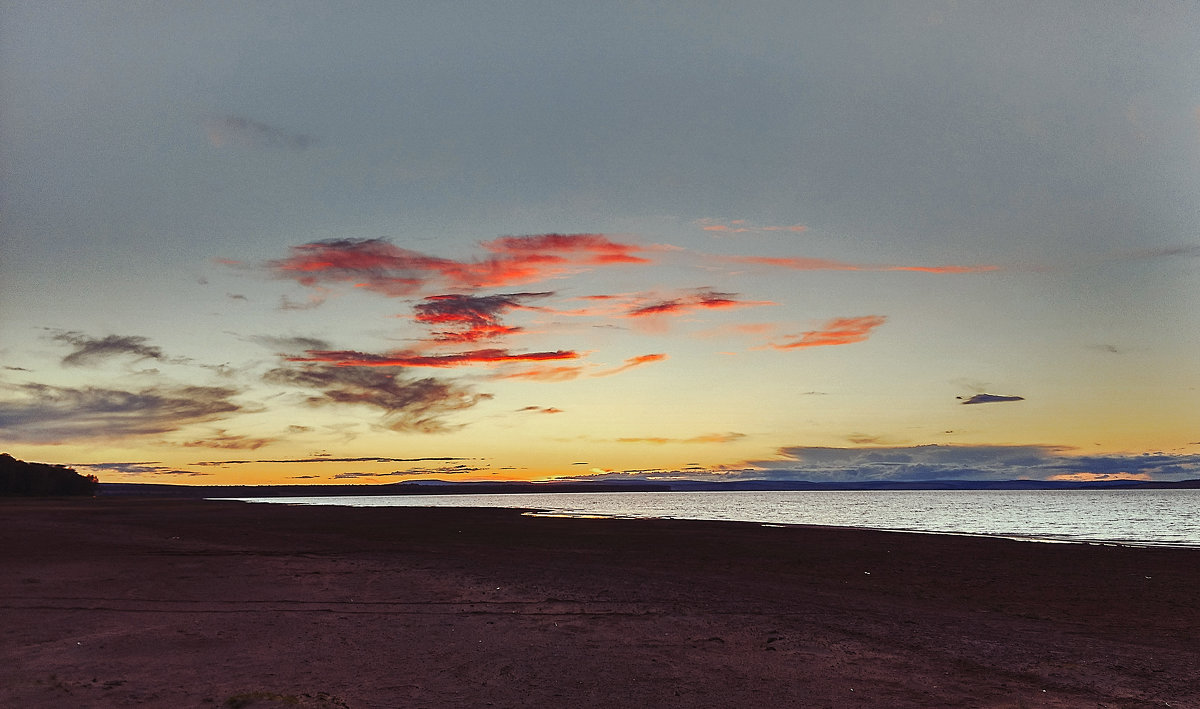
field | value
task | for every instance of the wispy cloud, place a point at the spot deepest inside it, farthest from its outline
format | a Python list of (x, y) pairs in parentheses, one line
[(989, 399), (229, 441), (328, 459), (411, 358), (91, 350), (545, 373), (238, 131), (632, 362), (290, 345), (743, 226), (541, 410), (728, 437), (839, 331), (446, 470), (42, 413), (701, 299), (408, 404), (1177, 251), (152, 468)]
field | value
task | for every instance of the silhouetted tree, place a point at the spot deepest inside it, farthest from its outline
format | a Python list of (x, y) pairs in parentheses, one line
[(18, 478)]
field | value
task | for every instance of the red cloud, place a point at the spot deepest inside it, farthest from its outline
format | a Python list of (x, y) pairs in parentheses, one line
[(702, 300), (839, 331), (382, 267), (408, 358), (471, 318), (631, 363), (594, 248)]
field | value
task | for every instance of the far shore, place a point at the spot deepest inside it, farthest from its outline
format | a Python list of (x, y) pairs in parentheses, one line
[(138, 601)]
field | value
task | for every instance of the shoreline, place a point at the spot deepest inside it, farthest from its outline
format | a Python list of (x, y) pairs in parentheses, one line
[(204, 603), (551, 511)]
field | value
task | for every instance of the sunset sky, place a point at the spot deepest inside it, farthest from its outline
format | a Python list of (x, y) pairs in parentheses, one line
[(279, 242)]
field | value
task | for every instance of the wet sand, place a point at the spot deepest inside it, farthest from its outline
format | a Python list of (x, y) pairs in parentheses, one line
[(176, 603)]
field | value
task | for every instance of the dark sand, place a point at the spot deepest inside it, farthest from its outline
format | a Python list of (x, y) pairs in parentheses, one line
[(108, 603)]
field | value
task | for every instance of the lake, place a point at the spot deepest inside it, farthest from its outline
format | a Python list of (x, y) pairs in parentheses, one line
[(1143, 517)]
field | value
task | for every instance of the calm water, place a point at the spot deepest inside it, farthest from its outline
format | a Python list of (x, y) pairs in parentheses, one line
[(1153, 517)]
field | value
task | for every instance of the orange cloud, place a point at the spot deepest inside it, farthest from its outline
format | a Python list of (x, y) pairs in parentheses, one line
[(408, 358), (701, 300), (631, 363), (704, 438), (1099, 477), (545, 374), (471, 318), (839, 331), (382, 267)]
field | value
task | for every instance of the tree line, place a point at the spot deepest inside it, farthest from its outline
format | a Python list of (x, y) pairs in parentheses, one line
[(21, 479)]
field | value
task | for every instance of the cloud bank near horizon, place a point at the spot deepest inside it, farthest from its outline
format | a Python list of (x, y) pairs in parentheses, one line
[(934, 462)]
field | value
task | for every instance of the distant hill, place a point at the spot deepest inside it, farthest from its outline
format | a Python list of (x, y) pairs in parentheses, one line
[(441, 487), (21, 479)]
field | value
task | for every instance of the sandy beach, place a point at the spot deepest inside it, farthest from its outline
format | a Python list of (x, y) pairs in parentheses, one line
[(177, 603)]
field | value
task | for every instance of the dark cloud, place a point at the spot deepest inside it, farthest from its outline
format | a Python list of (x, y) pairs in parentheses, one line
[(127, 468), (327, 459), (541, 409), (933, 462), (48, 414), (238, 131), (222, 439), (864, 439), (380, 266), (469, 318), (989, 399), (17, 369), (408, 404), (1178, 251), (290, 345), (151, 468), (702, 299), (939, 462), (413, 358), (449, 470), (314, 301), (89, 350)]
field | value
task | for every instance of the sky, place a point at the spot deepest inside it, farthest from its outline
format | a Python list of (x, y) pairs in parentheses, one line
[(367, 242)]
